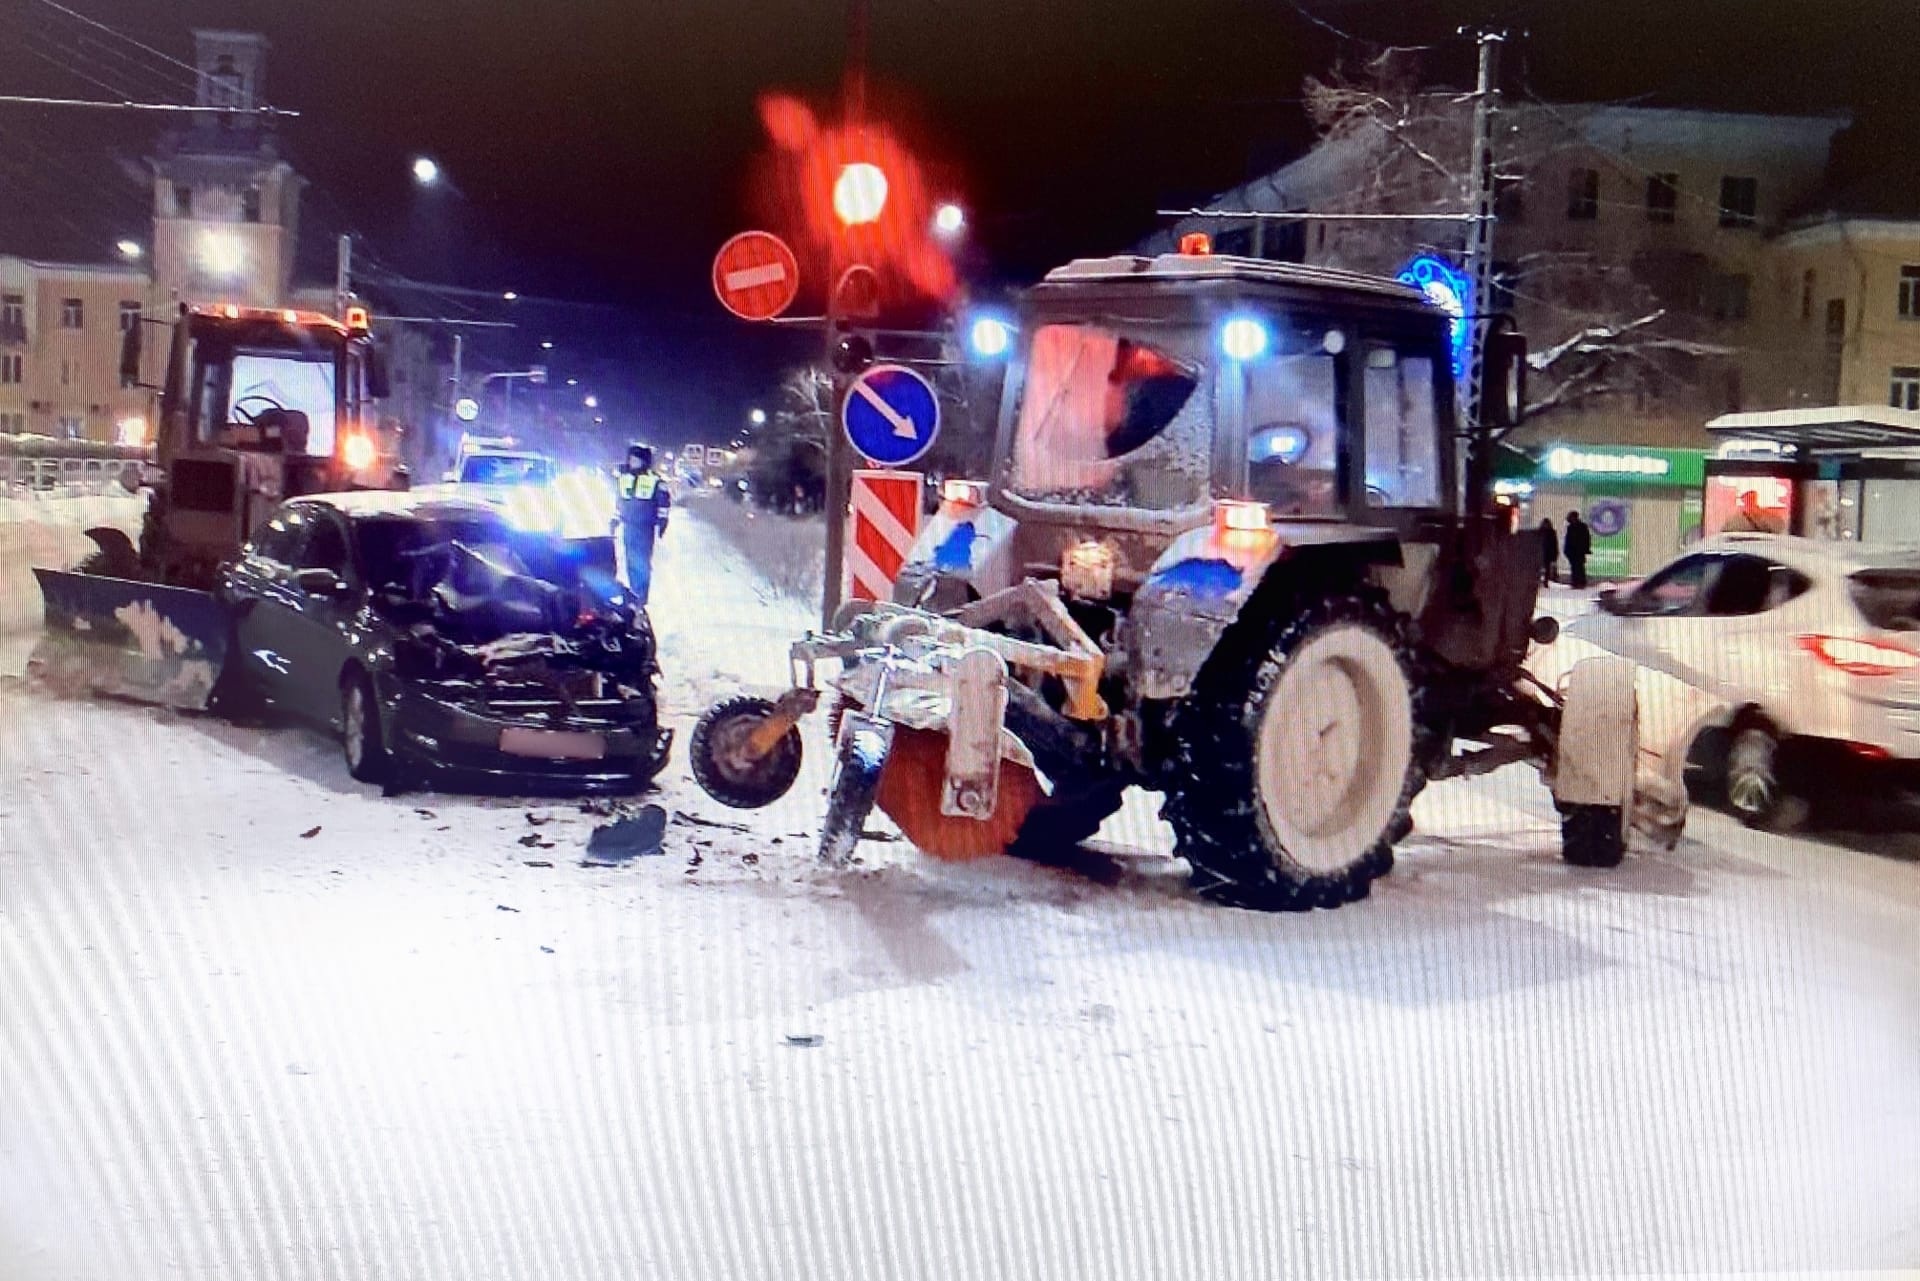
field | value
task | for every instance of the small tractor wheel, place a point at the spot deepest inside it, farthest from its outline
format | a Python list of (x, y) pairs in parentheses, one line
[(1060, 822), (1593, 835), (721, 765), (1294, 771)]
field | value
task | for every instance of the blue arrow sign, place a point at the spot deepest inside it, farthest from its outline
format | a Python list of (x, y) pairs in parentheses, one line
[(891, 415)]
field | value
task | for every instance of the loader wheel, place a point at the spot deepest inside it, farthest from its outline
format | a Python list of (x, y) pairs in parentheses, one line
[(1593, 835), (368, 760), (721, 765), (1295, 770)]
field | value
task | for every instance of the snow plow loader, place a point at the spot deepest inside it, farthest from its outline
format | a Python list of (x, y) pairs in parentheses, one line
[(1223, 556), (258, 405)]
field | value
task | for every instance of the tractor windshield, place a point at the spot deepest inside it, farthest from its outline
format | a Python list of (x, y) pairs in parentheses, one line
[(286, 380), (1116, 415)]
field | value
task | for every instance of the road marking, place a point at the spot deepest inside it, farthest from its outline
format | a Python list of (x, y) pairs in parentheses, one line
[(747, 277), (902, 427)]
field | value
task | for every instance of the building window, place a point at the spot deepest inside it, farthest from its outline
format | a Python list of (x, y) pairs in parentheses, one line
[(1903, 391), (1806, 294), (69, 371), (1910, 293), (250, 204), (13, 424), (72, 314), (13, 317), (182, 200), (1509, 200), (1583, 195), (1739, 198), (1727, 297), (129, 315), (12, 368), (1663, 196), (1836, 321), (72, 426)]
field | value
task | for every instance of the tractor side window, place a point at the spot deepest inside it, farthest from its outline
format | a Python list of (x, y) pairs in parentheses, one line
[(326, 547), (1116, 418), (1403, 432), (1293, 434)]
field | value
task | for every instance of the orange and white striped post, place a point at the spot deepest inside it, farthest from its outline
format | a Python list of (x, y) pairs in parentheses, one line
[(883, 519)]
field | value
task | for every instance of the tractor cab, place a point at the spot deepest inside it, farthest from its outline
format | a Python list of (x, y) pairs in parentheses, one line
[(258, 405)]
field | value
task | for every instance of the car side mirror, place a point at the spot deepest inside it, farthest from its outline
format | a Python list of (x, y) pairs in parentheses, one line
[(320, 582), (1612, 601), (130, 346)]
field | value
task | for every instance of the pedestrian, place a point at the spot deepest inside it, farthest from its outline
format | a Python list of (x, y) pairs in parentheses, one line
[(644, 503), (1579, 546), (1549, 551)]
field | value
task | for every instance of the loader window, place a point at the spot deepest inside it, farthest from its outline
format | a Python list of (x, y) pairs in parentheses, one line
[(1115, 417), (264, 379)]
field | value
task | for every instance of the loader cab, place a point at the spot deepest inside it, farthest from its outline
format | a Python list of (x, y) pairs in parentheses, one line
[(1144, 390)]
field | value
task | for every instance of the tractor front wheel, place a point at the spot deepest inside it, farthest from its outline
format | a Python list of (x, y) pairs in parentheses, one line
[(1293, 775)]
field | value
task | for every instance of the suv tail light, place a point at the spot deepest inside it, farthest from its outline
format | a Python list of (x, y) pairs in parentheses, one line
[(1858, 657)]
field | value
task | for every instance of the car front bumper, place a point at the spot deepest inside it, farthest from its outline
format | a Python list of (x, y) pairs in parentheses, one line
[(455, 745)]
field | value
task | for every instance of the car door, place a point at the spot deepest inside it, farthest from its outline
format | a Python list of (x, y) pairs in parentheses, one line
[(315, 623), (1752, 605), (1657, 624), (259, 587)]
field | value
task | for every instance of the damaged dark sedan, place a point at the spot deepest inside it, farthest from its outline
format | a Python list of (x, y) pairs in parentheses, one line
[(444, 645)]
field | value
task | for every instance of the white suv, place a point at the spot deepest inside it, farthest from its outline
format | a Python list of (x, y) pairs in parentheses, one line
[(1793, 665)]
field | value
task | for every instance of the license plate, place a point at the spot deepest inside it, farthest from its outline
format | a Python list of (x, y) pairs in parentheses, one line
[(553, 744)]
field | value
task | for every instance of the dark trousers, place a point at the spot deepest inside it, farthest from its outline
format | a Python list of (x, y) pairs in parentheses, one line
[(638, 539), (1546, 572), (1578, 567)]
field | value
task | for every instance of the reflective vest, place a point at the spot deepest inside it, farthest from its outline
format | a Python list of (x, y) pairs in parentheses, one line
[(638, 485)]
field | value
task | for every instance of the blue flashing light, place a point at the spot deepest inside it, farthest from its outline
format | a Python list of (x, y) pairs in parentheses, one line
[(1448, 288), (1244, 338), (990, 336), (1206, 578)]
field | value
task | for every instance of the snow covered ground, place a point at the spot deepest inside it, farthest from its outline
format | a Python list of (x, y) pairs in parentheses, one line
[(257, 1021)]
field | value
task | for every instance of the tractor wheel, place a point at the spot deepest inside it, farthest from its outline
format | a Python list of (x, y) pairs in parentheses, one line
[(721, 766), (1061, 822), (1294, 772)]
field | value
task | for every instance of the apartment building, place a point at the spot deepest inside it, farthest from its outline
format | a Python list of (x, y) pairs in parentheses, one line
[(60, 336)]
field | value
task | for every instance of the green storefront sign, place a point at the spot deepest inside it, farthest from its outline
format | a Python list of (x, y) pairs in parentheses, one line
[(1629, 466), (1612, 477)]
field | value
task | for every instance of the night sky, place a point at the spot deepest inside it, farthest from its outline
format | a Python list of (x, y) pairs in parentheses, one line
[(600, 150)]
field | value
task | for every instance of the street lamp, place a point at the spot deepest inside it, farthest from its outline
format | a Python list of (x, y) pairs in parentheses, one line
[(757, 417), (509, 296), (426, 171), (592, 402), (859, 193), (949, 220), (130, 250), (546, 344)]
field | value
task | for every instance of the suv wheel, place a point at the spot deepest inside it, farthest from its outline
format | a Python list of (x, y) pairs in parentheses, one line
[(1755, 792), (1293, 781)]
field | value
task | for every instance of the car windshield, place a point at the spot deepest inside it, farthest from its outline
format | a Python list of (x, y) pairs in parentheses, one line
[(506, 469), (1887, 598), (395, 552), (1115, 414)]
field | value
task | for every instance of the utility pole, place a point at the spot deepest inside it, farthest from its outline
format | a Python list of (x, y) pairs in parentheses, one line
[(839, 449), (1486, 106), (343, 277)]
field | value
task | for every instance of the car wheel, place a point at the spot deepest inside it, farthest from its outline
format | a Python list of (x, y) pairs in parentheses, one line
[(1755, 792), (360, 738)]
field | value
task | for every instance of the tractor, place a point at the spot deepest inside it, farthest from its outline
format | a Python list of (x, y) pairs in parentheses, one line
[(1235, 549)]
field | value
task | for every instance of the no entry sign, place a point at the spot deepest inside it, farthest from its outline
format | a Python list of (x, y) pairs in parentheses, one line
[(755, 275)]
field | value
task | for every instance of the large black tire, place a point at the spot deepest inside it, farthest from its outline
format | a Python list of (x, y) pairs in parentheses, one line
[(1258, 824), (1593, 835), (1065, 819), (755, 784), (361, 740)]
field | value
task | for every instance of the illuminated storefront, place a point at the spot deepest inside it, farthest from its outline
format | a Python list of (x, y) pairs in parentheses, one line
[(1642, 504)]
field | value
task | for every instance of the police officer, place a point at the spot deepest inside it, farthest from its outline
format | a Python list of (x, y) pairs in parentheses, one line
[(644, 502)]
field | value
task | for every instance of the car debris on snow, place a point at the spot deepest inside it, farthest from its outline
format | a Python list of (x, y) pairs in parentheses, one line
[(697, 821), (805, 1040), (640, 835), (536, 862), (538, 818), (310, 833), (502, 907)]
